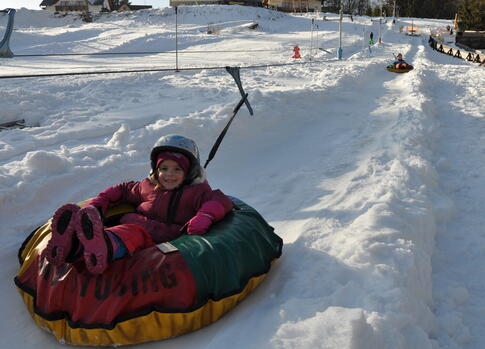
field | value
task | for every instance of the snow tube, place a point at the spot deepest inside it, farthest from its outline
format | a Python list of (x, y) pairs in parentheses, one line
[(393, 69), (159, 292)]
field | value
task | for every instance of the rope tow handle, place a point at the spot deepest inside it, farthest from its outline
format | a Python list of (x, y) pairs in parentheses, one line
[(234, 71)]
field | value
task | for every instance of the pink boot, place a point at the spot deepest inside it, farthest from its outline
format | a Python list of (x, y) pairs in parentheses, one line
[(63, 235), (98, 247)]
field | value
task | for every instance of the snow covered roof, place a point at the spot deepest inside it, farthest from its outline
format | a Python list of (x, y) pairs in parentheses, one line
[(48, 2)]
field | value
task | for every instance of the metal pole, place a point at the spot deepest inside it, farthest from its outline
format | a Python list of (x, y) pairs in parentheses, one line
[(340, 51), (317, 45), (4, 44), (311, 39), (176, 42), (380, 31)]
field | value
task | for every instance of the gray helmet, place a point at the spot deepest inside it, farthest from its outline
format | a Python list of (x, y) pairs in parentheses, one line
[(179, 144)]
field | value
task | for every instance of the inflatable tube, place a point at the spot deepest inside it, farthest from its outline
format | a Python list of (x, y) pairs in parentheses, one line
[(159, 292), (391, 68)]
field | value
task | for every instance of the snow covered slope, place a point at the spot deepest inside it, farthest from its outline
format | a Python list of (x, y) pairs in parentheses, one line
[(373, 179)]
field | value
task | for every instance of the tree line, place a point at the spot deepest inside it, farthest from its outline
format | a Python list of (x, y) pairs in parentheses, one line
[(470, 12)]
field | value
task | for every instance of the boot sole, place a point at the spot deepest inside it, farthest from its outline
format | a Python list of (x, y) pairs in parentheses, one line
[(90, 232), (62, 226)]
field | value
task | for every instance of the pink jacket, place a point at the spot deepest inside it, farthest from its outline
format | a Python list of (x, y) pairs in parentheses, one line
[(163, 213)]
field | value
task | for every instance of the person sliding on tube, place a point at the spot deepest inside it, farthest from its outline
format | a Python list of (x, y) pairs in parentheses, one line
[(175, 198), (400, 63)]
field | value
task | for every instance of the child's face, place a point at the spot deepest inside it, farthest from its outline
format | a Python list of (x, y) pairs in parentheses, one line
[(170, 174)]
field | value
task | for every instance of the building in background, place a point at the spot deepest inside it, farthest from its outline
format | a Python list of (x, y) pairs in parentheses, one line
[(76, 6), (294, 5), (256, 3), (279, 5), (89, 6)]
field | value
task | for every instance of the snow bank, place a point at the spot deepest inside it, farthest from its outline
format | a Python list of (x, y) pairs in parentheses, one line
[(341, 157)]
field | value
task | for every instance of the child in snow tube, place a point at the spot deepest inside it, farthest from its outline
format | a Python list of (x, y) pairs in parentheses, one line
[(175, 198), (71, 288), (400, 63)]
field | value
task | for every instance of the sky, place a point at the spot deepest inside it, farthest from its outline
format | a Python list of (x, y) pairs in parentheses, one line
[(374, 180), (34, 4)]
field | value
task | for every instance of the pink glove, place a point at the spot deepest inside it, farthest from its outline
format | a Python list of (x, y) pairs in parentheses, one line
[(199, 224)]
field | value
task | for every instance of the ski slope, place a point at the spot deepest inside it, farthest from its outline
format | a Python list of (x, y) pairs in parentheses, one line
[(373, 179)]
